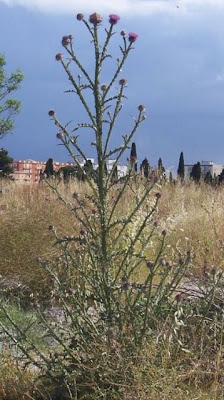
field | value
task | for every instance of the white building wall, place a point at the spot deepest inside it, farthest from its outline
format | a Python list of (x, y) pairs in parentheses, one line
[(206, 166)]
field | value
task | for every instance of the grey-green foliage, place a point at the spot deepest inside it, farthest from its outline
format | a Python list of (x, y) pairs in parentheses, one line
[(9, 107)]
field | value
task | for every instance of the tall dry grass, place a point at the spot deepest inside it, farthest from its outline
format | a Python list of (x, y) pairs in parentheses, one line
[(191, 214)]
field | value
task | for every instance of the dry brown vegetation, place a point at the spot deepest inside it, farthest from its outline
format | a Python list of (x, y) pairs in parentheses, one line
[(191, 215)]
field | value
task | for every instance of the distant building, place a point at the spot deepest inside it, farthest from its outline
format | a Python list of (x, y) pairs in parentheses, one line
[(30, 171), (206, 166)]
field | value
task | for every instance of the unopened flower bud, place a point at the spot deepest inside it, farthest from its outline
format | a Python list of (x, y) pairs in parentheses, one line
[(158, 195), (59, 56), (122, 82), (123, 33), (141, 107), (126, 286), (168, 264), (150, 264), (104, 88), (79, 17), (179, 297), (59, 135), (164, 233), (51, 113), (65, 41), (51, 228), (82, 232)]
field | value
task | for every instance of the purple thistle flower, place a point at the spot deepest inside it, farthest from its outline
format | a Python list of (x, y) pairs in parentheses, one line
[(132, 37), (113, 19)]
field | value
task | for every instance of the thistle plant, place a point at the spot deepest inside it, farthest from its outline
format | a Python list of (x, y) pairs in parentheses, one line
[(109, 292)]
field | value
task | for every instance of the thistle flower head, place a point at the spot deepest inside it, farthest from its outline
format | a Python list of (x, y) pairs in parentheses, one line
[(59, 135), (125, 286), (79, 17), (95, 18), (113, 19), (141, 107), (104, 88), (122, 82), (132, 37), (59, 57), (123, 33), (51, 113), (158, 195), (65, 41), (150, 264), (179, 297)]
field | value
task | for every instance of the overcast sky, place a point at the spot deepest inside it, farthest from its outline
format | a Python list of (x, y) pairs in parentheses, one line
[(176, 70)]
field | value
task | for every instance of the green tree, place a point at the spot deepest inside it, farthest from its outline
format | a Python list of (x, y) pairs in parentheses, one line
[(160, 165), (208, 178), (5, 164), (9, 107), (195, 174), (89, 170), (49, 168), (145, 168), (221, 177), (69, 172), (180, 171), (133, 157)]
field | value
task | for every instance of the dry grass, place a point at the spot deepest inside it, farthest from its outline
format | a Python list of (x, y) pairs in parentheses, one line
[(192, 216)]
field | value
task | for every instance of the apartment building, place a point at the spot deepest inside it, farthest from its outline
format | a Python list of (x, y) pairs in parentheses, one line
[(30, 171)]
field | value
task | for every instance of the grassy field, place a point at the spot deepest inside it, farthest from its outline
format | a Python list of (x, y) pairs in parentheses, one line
[(191, 215)]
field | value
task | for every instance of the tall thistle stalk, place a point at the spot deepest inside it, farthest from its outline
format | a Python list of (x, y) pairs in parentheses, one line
[(108, 290)]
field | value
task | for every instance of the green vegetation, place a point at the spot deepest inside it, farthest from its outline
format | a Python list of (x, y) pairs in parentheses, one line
[(5, 164), (180, 171), (9, 107)]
